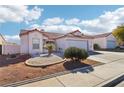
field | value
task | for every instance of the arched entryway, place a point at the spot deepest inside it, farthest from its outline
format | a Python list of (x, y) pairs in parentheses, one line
[(0, 49)]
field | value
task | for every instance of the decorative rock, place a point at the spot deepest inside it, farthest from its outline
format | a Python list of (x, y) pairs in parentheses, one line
[(44, 60)]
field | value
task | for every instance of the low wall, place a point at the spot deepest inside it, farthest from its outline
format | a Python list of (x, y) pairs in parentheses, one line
[(10, 49)]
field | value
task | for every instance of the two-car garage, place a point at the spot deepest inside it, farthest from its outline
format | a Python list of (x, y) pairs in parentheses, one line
[(77, 43), (63, 44)]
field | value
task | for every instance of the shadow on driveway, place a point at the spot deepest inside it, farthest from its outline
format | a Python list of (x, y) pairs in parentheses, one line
[(69, 65), (93, 53)]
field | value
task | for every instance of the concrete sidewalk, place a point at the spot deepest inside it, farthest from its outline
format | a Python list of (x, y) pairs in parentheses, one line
[(100, 74)]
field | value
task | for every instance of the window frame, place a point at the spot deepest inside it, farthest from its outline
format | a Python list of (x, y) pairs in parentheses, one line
[(35, 43)]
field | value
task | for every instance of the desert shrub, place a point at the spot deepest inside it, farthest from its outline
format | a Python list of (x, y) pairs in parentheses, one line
[(50, 47), (96, 46), (75, 53), (83, 54), (117, 47)]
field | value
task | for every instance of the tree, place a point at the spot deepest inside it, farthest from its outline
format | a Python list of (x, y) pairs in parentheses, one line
[(50, 47), (119, 34)]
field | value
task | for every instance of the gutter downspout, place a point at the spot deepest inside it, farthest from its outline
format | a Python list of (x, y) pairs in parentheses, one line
[(87, 45)]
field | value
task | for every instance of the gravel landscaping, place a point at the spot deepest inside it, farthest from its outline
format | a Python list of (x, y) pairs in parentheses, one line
[(5, 60), (44, 60), (19, 71), (14, 70)]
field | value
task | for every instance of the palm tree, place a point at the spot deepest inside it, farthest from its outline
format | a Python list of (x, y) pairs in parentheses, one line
[(50, 47)]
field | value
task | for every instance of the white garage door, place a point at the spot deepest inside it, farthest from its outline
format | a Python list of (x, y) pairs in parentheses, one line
[(77, 43), (111, 44)]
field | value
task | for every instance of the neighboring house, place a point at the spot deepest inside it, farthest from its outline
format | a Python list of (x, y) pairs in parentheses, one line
[(2, 41), (105, 41), (7, 47), (32, 41)]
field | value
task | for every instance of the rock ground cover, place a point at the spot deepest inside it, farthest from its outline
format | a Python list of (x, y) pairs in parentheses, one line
[(16, 70)]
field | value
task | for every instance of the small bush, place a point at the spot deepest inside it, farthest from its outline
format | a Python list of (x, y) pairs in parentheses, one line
[(117, 47), (83, 53), (50, 47), (96, 46), (75, 53)]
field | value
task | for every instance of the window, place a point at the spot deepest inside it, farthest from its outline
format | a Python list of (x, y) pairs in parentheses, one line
[(36, 43)]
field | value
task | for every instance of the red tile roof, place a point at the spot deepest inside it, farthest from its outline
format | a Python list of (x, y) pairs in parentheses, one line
[(23, 32), (70, 35), (74, 32), (50, 35), (102, 35)]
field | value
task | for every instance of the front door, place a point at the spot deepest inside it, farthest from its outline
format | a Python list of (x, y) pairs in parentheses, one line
[(0, 49)]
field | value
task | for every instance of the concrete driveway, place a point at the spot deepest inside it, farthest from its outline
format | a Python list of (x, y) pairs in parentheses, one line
[(107, 57)]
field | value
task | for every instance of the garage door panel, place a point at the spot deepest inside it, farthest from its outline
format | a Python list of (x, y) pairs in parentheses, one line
[(76, 43), (111, 44)]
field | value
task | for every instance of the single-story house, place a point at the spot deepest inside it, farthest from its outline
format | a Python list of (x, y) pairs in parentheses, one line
[(8, 47), (33, 41), (105, 41)]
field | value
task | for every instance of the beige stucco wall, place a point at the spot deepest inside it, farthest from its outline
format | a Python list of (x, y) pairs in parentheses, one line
[(90, 44), (100, 41), (61, 43), (37, 35), (103, 41), (10, 49), (1, 40), (111, 37), (24, 44)]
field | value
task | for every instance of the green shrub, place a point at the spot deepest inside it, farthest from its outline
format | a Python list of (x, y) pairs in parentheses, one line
[(75, 53), (50, 47), (96, 46), (117, 47), (83, 53)]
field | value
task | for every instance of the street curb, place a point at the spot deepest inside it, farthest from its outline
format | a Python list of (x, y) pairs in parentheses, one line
[(112, 82), (43, 77)]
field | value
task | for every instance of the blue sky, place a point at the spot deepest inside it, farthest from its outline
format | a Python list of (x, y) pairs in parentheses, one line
[(87, 18)]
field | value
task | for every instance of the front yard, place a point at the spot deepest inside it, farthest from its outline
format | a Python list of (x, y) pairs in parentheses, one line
[(15, 70)]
